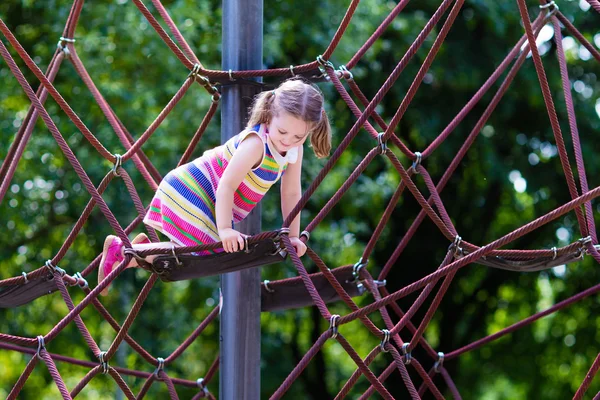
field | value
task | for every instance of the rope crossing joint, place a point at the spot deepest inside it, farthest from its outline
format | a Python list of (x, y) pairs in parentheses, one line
[(103, 362), (333, 321), (385, 340), (160, 367), (439, 363), (406, 354), (552, 8), (61, 45)]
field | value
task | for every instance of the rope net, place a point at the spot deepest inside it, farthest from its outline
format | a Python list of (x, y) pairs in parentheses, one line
[(417, 373)]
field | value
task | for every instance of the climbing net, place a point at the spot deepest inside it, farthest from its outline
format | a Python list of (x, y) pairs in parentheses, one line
[(460, 252)]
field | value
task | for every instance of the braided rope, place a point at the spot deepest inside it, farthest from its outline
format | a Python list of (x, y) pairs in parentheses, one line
[(579, 197)]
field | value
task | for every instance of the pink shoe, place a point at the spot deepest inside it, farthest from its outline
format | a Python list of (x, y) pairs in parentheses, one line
[(111, 256)]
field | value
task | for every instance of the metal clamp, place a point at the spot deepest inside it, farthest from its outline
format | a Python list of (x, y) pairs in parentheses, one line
[(439, 363), (417, 162), (194, 73), (357, 267), (54, 268), (553, 10), (406, 354), (333, 325), (103, 362), (267, 288), (118, 164), (554, 252), (231, 78), (307, 234), (179, 263), (458, 251), (79, 277), (346, 73), (381, 144), (385, 340), (202, 385), (582, 243), (161, 366), (41, 345), (25, 277), (62, 47), (292, 70), (324, 63)]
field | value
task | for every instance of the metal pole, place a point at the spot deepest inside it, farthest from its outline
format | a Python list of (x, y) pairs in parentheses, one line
[(239, 377)]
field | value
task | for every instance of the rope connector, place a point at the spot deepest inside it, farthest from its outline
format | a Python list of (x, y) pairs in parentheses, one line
[(281, 232), (81, 281), (582, 243), (346, 73), (406, 354), (357, 267), (552, 6), (202, 385), (267, 288), (381, 144), (439, 363), (160, 367), (231, 78), (333, 325), (554, 252), (103, 362), (179, 263), (307, 234), (118, 164), (61, 45), (385, 340), (194, 73), (41, 345), (458, 251), (292, 70), (54, 268), (417, 162), (25, 277), (324, 63)]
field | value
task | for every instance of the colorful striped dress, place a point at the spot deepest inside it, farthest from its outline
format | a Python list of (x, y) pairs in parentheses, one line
[(183, 207)]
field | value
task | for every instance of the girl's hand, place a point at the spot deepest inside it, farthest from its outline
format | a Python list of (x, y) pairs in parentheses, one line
[(298, 245), (232, 240)]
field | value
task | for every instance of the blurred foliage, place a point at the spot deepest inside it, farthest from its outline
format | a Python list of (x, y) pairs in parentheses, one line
[(510, 176)]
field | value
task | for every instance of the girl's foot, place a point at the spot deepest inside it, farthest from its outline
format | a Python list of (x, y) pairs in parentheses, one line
[(112, 255)]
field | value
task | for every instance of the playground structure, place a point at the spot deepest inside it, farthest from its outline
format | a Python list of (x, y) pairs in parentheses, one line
[(336, 284)]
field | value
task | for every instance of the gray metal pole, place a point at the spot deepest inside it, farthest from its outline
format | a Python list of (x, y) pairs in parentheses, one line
[(239, 377)]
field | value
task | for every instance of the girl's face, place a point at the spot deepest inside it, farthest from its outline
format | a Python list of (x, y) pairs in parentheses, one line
[(287, 131)]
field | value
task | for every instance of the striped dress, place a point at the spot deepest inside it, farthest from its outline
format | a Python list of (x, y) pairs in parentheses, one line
[(183, 207)]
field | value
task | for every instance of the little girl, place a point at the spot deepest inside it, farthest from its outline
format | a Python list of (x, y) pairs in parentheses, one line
[(197, 203)]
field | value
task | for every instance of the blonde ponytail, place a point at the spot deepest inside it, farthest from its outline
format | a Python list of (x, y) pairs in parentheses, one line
[(262, 109), (320, 138)]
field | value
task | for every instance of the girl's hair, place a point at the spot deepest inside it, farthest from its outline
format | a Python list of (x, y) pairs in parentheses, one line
[(304, 101)]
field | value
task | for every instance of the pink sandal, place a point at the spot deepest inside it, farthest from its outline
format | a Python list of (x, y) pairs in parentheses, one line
[(112, 256)]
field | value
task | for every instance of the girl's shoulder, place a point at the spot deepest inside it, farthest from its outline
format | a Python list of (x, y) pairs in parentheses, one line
[(257, 129)]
